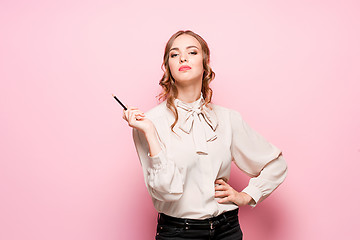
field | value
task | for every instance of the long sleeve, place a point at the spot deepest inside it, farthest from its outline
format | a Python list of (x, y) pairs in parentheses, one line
[(261, 160), (163, 178)]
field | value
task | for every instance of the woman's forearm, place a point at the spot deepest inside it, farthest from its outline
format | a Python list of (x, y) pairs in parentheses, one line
[(153, 142)]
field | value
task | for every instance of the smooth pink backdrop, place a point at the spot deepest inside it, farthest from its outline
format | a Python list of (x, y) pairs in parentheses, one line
[(68, 167)]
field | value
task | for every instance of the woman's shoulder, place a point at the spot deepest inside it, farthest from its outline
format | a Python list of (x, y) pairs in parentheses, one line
[(157, 112), (228, 115), (223, 110)]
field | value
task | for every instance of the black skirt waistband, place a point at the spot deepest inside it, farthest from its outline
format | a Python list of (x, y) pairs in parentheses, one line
[(209, 223)]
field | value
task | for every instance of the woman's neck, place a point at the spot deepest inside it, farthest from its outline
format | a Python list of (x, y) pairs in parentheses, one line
[(189, 94)]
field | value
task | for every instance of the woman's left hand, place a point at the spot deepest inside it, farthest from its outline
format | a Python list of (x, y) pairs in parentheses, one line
[(228, 194)]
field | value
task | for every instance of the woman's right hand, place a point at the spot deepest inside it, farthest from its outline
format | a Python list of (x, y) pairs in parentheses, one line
[(136, 119)]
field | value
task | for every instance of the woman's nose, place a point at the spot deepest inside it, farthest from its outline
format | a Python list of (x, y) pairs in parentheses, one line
[(183, 58)]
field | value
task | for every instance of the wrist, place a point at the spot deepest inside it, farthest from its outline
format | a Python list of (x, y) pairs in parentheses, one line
[(150, 132), (248, 199), (251, 202)]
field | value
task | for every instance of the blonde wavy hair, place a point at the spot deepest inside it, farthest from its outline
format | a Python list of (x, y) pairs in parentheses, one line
[(167, 82)]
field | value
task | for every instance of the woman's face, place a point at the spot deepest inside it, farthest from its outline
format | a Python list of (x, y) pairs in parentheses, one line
[(186, 60)]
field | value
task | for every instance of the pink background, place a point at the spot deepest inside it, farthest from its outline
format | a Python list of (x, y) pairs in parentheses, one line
[(68, 167)]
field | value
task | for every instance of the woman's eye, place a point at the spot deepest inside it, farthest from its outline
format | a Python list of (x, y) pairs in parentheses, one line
[(193, 53), (173, 55)]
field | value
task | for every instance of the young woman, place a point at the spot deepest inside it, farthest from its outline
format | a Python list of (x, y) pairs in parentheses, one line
[(186, 145)]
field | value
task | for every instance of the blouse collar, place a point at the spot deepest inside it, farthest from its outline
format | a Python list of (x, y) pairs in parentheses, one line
[(199, 119)]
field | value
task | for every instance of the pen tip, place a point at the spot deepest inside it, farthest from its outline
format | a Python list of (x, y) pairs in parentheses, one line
[(112, 94)]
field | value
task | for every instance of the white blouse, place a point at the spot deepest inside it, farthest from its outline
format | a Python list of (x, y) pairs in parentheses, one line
[(180, 179)]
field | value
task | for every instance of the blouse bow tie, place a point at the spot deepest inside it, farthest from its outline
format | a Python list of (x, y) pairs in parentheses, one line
[(201, 120)]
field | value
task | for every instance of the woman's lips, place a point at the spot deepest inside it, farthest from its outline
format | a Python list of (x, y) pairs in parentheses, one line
[(184, 68)]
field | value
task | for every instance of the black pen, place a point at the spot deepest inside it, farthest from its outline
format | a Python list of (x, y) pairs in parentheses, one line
[(119, 102)]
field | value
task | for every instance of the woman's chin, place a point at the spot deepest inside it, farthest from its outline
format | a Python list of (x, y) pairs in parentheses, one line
[(186, 80)]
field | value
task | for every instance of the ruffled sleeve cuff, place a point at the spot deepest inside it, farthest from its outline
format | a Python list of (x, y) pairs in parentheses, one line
[(157, 160), (164, 178)]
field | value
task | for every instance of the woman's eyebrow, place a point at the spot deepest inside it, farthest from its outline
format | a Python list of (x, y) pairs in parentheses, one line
[(186, 48)]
